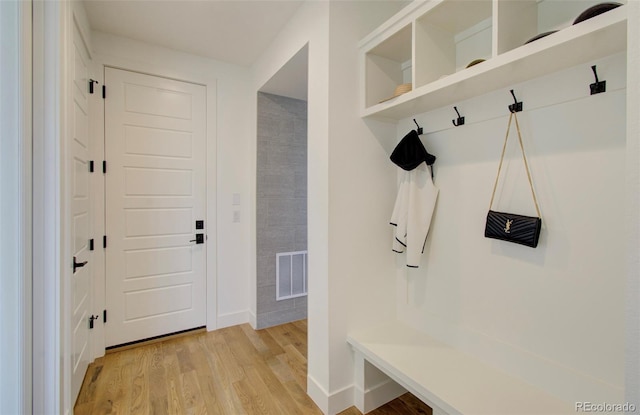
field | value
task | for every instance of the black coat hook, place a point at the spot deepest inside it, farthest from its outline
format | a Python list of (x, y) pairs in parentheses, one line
[(598, 86), (460, 120), (419, 130), (516, 106)]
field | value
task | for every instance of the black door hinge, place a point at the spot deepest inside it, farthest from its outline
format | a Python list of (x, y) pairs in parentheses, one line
[(91, 319), (104, 91), (104, 166), (91, 82), (90, 244), (90, 166), (104, 241), (104, 316)]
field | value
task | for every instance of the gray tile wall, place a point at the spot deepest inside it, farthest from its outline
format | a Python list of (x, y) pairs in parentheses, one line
[(281, 211)]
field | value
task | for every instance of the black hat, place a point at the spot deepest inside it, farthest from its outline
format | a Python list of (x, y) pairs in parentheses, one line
[(410, 152), (596, 10)]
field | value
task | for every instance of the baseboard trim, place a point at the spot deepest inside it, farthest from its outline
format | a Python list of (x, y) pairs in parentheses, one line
[(341, 400), (330, 403), (253, 320), (232, 319), (378, 395), (318, 394)]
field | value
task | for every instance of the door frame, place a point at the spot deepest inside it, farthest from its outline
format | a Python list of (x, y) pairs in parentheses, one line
[(96, 115), (50, 388)]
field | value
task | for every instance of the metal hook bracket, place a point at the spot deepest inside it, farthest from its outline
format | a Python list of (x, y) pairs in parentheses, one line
[(516, 106), (460, 121), (419, 130), (598, 86)]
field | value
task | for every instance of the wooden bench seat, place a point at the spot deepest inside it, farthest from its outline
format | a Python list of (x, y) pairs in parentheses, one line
[(446, 379)]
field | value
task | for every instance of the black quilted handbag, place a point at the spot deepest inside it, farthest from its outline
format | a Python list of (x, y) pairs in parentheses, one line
[(519, 229)]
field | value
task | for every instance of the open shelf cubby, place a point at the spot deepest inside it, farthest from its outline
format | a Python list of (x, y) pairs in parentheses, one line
[(388, 65), (520, 21), (438, 39), (450, 36)]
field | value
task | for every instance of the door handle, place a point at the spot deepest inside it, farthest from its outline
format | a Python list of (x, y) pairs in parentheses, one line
[(78, 264), (199, 238)]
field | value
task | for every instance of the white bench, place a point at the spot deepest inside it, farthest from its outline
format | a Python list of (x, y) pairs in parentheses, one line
[(446, 379)]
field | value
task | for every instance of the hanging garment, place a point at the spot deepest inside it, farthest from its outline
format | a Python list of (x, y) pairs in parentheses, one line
[(412, 212), (410, 152)]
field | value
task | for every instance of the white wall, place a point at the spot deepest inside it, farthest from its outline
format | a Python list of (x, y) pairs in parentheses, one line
[(350, 183), (308, 26), (362, 185), (229, 123), (553, 315), (632, 309), (15, 207)]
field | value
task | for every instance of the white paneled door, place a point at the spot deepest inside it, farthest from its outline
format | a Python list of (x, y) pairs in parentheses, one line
[(80, 216), (155, 192)]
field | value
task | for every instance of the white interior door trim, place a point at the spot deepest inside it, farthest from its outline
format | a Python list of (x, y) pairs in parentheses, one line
[(47, 325), (80, 196), (64, 205), (203, 77), (96, 132)]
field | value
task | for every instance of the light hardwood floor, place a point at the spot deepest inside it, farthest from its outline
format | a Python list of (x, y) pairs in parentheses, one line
[(231, 371)]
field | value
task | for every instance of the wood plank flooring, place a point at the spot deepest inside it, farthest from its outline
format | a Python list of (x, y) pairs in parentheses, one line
[(231, 371)]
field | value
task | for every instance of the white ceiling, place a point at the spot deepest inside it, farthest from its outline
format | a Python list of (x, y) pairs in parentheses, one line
[(234, 31)]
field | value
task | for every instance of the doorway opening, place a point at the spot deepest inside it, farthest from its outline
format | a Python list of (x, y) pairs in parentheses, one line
[(281, 194)]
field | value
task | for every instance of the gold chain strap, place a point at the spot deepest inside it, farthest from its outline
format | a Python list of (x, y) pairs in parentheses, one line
[(526, 165)]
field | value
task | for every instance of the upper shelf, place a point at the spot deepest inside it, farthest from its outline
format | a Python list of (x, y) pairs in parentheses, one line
[(504, 66)]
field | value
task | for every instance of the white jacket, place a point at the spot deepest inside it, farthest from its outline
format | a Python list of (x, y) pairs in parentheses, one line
[(412, 212)]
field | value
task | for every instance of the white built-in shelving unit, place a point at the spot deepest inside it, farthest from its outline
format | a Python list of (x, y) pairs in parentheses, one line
[(430, 44)]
